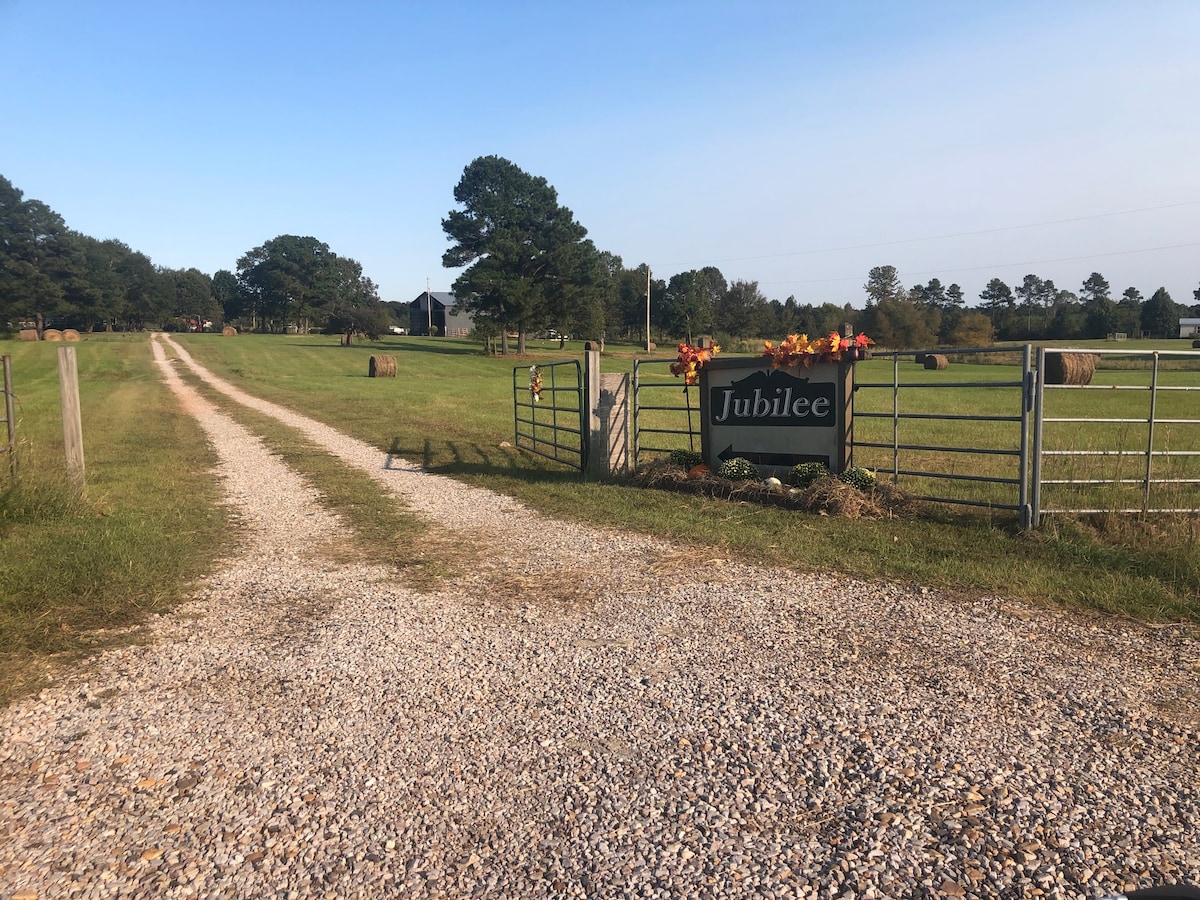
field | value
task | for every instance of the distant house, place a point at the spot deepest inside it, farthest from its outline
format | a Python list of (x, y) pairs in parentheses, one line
[(1189, 328), (441, 310)]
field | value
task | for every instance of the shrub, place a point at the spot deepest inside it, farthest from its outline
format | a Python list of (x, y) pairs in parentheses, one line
[(805, 473), (738, 469), (687, 458), (857, 476)]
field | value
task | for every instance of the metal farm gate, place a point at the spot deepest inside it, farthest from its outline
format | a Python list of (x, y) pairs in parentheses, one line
[(983, 428), (1122, 443), (549, 421), (666, 416), (960, 438)]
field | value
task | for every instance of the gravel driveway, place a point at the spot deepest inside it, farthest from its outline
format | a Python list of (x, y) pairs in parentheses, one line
[(590, 713)]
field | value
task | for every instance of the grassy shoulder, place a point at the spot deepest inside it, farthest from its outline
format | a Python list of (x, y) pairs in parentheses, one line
[(75, 574), (450, 408), (381, 530)]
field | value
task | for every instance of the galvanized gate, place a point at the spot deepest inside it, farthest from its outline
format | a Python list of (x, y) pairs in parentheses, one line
[(548, 411), (993, 438), (971, 448), (1117, 451), (663, 409)]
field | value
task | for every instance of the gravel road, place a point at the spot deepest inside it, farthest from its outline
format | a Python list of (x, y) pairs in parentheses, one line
[(589, 713)]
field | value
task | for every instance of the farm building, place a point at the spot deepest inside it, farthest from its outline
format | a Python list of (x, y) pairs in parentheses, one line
[(1189, 328), (441, 310)]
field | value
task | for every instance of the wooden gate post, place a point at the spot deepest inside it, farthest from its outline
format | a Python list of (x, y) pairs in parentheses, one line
[(595, 455), (68, 392)]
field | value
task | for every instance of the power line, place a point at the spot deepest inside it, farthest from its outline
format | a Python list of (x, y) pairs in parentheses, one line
[(942, 237), (993, 266)]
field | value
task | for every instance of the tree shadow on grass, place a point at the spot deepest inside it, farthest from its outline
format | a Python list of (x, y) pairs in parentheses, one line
[(400, 346), (448, 457)]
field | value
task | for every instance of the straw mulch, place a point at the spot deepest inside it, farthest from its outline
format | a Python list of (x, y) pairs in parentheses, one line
[(825, 496)]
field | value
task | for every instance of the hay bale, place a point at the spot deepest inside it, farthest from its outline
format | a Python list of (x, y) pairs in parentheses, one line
[(229, 331), (1070, 368), (70, 335), (382, 367), (51, 334), (919, 358), (1196, 345), (28, 334), (936, 361)]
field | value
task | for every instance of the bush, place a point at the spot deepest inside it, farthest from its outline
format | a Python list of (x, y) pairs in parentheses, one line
[(857, 476), (805, 473), (738, 469), (687, 458)]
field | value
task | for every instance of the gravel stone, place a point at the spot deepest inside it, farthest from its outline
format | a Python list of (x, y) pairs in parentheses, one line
[(589, 713)]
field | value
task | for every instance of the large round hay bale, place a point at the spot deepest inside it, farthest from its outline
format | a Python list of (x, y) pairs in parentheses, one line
[(936, 361), (229, 331), (382, 367), (1196, 345), (1069, 368), (919, 358), (51, 334), (70, 335), (28, 334)]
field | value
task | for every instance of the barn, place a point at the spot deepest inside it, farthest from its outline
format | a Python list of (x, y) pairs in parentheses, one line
[(441, 311), (1189, 328)]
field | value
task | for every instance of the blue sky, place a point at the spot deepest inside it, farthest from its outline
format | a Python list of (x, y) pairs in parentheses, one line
[(795, 144)]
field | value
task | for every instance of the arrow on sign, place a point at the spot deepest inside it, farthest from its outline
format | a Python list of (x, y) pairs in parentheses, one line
[(771, 459)]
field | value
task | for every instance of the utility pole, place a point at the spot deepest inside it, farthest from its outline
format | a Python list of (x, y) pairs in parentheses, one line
[(647, 308)]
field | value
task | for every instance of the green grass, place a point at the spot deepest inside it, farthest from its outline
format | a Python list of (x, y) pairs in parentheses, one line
[(73, 570), (451, 408), (74, 574), (381, 529)]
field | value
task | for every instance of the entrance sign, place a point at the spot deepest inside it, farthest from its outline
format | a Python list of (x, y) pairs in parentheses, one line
[(776, 418)]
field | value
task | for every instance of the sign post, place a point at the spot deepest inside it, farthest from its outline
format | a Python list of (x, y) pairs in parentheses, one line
[(776, 418)]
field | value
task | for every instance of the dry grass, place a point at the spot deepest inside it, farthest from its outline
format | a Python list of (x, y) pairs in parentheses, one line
[(826, 496)]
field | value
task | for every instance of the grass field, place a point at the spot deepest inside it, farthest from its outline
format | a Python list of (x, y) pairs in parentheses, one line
[(73, 571)]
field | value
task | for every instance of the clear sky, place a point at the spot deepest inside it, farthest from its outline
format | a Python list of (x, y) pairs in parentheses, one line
[(796, 144)]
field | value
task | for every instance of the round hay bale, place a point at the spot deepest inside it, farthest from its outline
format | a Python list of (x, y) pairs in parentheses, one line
[(52, 334), (1069, 368), (1196, 345), (382, 367), (28, 334), (70, 335), (919, 358), (936, 361), (229, 331)]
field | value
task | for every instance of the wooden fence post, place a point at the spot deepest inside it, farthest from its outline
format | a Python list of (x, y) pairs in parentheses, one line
[(68, 391), (10, 422)]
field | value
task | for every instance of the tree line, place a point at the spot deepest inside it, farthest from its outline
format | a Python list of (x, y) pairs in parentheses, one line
[(1036, 309), (53, 275), (527, 266)]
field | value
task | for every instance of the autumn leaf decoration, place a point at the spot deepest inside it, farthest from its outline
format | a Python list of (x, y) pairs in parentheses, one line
[(691, 360), (535, 383), (799, 351)]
